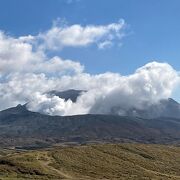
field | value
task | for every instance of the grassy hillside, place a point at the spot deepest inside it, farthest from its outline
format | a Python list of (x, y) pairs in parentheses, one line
[(110, 161)]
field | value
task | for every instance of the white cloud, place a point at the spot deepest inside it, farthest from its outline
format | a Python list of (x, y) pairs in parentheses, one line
[(105, 44), (19, 55), (77, 35), (15, 54), (49, 105), (27, 73), (139, 90), (27, 54), (57, 66), (107, 92)]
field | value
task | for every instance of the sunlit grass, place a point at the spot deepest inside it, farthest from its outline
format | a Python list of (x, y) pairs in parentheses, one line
[(109, 161)]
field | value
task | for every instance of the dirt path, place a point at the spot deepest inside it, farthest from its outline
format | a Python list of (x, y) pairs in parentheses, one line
[(45, 163)]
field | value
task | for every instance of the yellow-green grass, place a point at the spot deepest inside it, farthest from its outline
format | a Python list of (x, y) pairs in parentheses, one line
[(106, 161)]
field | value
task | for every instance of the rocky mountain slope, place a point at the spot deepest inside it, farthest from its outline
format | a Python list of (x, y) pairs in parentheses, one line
[(20, 127)]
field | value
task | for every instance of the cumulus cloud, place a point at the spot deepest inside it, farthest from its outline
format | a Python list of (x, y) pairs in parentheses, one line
[(139, 90), (18, 55), (27, 73), (78, 36), (15, 54), (112, 93), (49, 105), (28, 54)]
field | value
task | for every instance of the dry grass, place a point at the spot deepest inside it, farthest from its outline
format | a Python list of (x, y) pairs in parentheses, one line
[(109, 161)]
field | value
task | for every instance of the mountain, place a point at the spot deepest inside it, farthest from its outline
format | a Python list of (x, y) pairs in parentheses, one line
[(164, 108), (20, 127), (71, 94)]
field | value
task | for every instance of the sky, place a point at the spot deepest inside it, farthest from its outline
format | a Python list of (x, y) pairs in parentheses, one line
[(116, 36), (152, 32)]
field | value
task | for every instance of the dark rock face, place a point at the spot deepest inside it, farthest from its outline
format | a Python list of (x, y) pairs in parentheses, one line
[(18, 127), (165, 108), (69, 94)]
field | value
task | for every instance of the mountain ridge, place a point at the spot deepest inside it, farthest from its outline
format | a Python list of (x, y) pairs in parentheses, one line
[(20, 127)]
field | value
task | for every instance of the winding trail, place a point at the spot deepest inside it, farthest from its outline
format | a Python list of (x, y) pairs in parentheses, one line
[(46, 163)]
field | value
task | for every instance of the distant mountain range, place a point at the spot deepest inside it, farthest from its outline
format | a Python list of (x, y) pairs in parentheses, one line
[(164, 108), (20, 127), (160, 123)]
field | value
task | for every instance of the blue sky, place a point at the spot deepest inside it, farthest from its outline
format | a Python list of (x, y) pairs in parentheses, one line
[(152, 33), (152, 29)]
